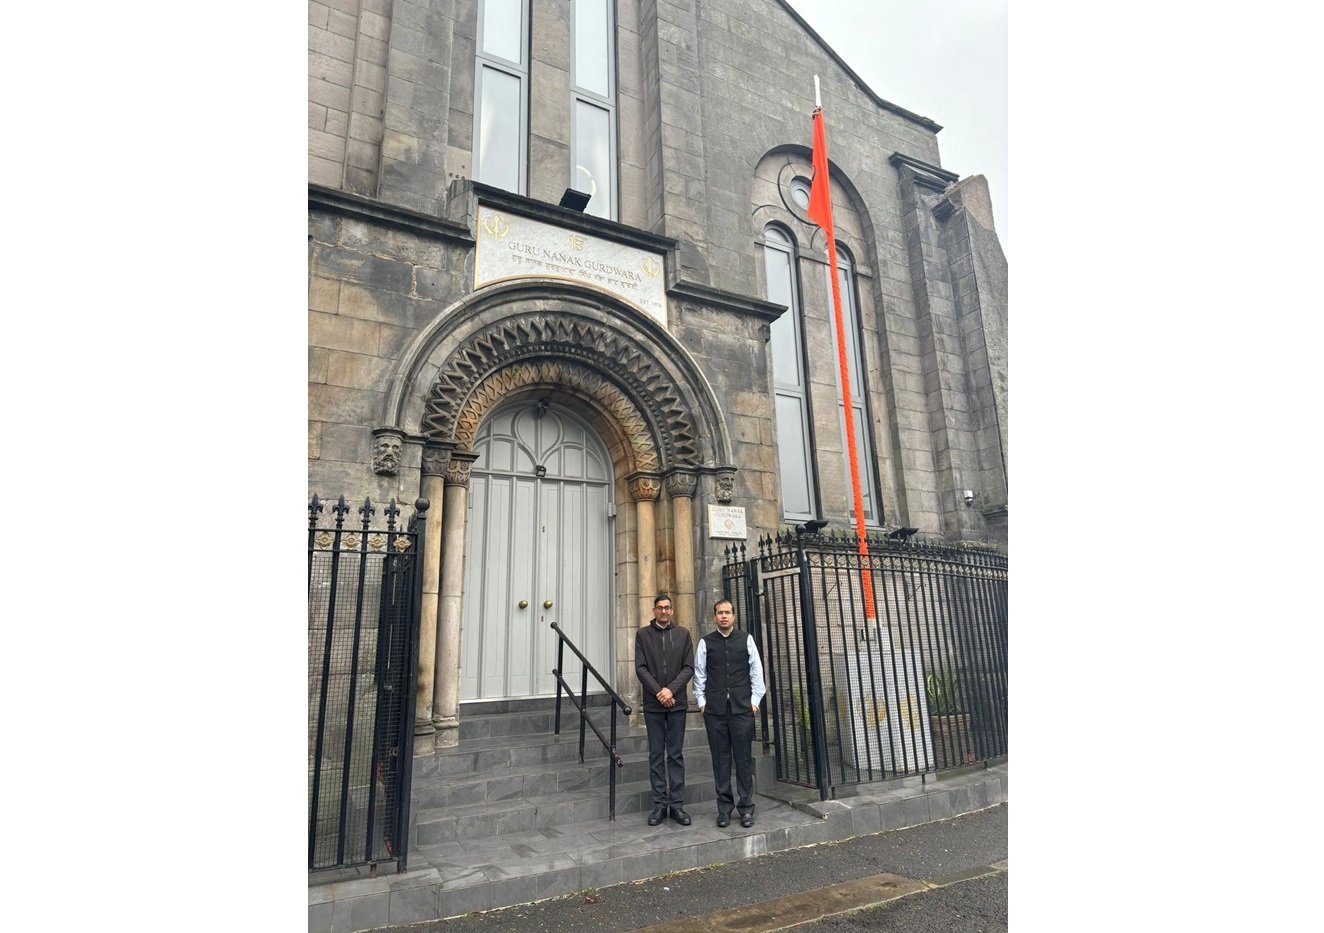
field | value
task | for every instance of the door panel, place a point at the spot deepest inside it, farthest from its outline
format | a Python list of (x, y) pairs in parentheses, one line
[(537, 539)]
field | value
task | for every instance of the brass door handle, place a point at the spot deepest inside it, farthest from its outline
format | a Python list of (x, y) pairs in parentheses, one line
[(524, 604), (547, 604)]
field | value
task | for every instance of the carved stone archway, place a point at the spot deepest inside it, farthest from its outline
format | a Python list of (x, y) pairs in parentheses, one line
[(626, 375)]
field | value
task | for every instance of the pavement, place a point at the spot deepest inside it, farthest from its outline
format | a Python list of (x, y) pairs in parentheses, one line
[(948, 876)]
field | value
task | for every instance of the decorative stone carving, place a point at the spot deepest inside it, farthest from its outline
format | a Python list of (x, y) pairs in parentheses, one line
[(645, 487), (461, 465), (436, 460), (726, 485), (559, 350), (681, 484), (387, 448), (623, 411)]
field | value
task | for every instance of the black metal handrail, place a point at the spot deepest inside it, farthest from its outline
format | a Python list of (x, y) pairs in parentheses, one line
[(581, 705)]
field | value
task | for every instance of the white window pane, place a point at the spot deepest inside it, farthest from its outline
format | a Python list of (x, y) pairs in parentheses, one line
[(800, 189), (784, 330), (862, 447), (853, 361), (593, 46), (498, 134), (502, 29), (792, 446), (592, 134)]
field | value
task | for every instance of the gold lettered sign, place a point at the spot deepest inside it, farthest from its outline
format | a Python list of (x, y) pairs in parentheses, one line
[(512, 247)]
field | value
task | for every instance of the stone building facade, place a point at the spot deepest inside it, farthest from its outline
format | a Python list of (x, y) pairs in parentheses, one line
[(572, 390)]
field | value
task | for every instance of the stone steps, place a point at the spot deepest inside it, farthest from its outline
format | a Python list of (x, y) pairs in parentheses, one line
[(488, 830)]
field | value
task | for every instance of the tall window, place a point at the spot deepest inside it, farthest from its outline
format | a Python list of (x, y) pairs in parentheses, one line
[(794, 460), (593, 105), (855, 369), (501, 98)]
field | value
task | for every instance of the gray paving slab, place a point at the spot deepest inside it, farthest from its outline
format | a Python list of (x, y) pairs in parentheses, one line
[(511, 846)]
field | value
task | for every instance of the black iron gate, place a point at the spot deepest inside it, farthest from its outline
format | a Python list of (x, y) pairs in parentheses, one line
[(920, 687), (363, 594)]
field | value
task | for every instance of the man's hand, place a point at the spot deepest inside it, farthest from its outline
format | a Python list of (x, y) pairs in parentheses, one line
[(755, 708), (701, 709), (665, 698)]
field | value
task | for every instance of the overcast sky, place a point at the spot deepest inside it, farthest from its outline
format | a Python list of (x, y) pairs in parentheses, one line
[(945, 61)]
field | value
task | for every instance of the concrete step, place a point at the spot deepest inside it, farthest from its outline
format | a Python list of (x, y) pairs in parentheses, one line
[(549, 777), (452, 878), (490, 818)]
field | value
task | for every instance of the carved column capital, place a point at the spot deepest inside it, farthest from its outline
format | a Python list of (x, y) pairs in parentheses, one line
[(645, 487), (726, 484), (457, 474), (681, 484), (436, 459), (388, 446)]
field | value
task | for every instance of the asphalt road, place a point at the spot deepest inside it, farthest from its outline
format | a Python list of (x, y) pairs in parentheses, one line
[(975, 906), (934, 853)]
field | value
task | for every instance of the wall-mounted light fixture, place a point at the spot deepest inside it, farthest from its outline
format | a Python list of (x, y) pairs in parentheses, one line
[(969, 497), (575, 200)]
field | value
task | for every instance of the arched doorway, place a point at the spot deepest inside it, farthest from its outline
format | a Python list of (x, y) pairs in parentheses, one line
[(538, 550)]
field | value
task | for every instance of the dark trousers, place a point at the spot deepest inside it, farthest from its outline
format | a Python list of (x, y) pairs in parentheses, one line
[(666, 756), (731, 737)]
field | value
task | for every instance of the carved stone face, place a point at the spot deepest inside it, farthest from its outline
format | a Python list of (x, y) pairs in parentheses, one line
[(726, 487), (386, 455)]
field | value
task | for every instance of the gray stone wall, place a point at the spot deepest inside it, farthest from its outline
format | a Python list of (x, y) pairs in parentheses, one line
[(371, 288), (706, 92), (347, 53)]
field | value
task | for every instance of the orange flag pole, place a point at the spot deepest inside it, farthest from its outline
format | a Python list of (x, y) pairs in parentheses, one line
[(820, 212)]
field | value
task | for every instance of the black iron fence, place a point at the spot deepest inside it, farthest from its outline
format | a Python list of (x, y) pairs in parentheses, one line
[(915, 686), (363, 593)]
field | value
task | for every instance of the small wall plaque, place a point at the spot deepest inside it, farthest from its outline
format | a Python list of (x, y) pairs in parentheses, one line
[(727, 521)]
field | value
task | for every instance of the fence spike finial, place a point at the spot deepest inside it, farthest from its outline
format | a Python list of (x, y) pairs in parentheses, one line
[(391, 512), (314, 509), (366, 510), (340, 510)]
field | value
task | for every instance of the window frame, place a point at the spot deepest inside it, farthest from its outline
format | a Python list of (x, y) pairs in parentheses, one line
[(799, 391), (853, 322), (607, 103), (518, 70)]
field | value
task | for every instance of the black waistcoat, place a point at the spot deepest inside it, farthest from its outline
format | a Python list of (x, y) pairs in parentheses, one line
[(728, 672)]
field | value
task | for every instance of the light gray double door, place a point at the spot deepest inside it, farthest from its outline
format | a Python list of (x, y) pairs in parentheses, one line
[(538, 551)]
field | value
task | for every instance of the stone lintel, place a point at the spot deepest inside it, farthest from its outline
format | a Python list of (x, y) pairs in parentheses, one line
[(390, 215)]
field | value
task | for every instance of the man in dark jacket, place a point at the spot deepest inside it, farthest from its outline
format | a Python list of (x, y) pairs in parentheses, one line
[(664, 661), (728, 688)]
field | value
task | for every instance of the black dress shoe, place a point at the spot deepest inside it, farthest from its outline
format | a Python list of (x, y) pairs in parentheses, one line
[(657, 816), (723, 820), (680, 816), (747, 820)]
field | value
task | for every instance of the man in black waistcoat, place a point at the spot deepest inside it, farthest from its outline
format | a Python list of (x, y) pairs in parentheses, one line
[(664, 662), (728, 688)]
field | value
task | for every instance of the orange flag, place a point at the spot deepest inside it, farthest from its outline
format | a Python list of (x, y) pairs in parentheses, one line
[(820, 212)]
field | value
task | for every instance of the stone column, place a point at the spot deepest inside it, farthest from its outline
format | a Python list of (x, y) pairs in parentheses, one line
[(644, 489), (446, 694), (680, 487), (436, 458)]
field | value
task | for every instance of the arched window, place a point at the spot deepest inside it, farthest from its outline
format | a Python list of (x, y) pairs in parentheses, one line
[(858, 396), (791, 390)]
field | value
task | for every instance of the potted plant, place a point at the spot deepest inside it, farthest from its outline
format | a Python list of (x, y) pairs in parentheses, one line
[(949, 721)]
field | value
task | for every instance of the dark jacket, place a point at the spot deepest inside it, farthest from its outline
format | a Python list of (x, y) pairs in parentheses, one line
[(664, 657)]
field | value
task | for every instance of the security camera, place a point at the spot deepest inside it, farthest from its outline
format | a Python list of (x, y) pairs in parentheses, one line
[(969, 497)]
